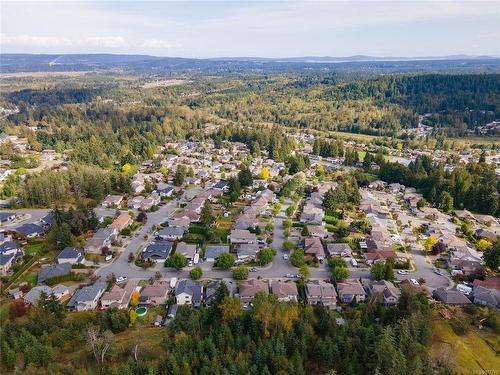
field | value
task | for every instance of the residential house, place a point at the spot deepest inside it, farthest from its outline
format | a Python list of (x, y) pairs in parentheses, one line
[(60, 291), (211, 291), (241, 236), (188, 250), (338, 250), (285, 290), (53, 270), (468, 265), (122, 222), (179, 223), (101, 239), (102, 213), (314, 248), (172, 233), (7, 216), (390, 294), (189, 292), (29, 230), (212, 252), (135, 202), (487, 292), (451, 296), (6, 262), (312, 215), (249, 288), (221, 185), (154, 294), (317, 231), (152, 200), (118, 297), (71, 255), (485, 234), (350, 290), (321, 293), (87, 297), (112, 201), (247, 251), (157, 251), (166, 192)]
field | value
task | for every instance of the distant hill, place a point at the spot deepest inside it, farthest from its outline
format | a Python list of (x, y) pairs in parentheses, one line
[(11, 63)]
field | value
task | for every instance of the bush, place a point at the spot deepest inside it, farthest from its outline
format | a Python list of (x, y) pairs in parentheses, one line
[(126, 232), (196, 273), (225, 261), (459, 326), (240, 273), (177, 261), (330, 220), (69, 277), (288, 245), (265, 256), (298, 258)]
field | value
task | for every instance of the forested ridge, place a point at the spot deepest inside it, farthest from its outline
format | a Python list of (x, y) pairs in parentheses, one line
[(270, 338), (378, 106)]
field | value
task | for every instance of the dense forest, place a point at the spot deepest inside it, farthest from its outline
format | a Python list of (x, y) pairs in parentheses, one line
[(270, 338), (375, 105), (378, 106), (475, 186)]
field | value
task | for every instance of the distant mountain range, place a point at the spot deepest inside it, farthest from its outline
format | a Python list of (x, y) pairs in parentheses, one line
[(10, 63)]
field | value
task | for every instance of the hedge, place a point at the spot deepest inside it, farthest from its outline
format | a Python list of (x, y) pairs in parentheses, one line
[(69, 277)]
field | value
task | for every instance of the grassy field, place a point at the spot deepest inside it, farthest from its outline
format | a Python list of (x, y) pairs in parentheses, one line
[(476, 352), (467, 141)]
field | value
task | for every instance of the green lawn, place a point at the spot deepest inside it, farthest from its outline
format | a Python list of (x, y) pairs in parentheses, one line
[(467, 354), (35, 248)]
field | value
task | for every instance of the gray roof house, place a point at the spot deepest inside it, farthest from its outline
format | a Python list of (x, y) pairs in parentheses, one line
[(338, 249), (486, 296), (158, 251), (172, 233), (321, 293), (212, 252), (238, 236), (189, 292), (33, 296), (70, 255), (53, 270), (451, 296), (87, 297), (29, 230), (387, 290)]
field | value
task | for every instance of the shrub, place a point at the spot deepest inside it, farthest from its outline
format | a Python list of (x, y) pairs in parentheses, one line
[(265, 256), (298, 258), (225, 261), (240, 273), (196, 273), (459, 326)]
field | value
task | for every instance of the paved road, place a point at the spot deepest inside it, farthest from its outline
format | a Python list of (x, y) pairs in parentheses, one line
[(425, 269), (31, 215), (121, 266)]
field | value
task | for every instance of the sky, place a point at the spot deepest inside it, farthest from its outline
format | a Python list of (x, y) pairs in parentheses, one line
[(252, 28)]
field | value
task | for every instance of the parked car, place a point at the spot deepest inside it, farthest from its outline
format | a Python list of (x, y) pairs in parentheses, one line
[(121, 279), (253, 269), (403, 272), (285, 256)]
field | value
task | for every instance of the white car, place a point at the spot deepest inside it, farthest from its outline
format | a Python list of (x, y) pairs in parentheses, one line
[(190, 263), (403, 272), (121, 279), (285, 256)]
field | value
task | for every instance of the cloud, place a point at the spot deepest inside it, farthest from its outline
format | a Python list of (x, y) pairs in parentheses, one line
[(48, 41), (156, 44)]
